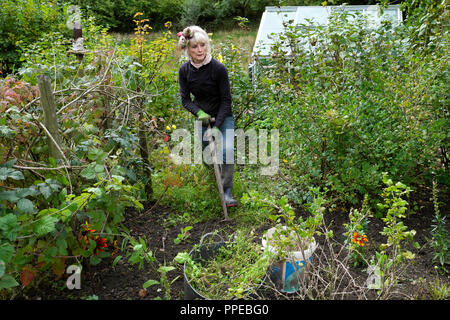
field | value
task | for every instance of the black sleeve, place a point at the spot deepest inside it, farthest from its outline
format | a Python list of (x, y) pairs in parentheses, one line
[(225, 95), (185, 94)]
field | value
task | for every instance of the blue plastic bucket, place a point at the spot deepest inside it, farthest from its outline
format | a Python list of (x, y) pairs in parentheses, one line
[(287, 274)]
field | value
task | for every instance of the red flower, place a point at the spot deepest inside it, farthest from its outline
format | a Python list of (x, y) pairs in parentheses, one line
[(86, 234), (359, 239), (166, 138), (101, 243)]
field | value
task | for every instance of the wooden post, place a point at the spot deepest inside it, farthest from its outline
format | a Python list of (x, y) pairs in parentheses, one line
[(77, 33), (50, 121), (78, 46)]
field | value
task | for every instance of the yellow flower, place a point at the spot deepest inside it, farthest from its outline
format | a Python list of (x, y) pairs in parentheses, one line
[(220, 58), (284, 160), (168, 127), (174, 127)]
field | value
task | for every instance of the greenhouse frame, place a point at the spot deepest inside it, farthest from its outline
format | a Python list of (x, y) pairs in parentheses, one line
[(275, 19)]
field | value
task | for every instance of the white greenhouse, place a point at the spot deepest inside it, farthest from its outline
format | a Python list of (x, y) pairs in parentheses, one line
[(274, 20)]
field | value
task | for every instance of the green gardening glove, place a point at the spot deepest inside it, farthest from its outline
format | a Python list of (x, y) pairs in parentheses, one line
[(215, 131), (203, 117)]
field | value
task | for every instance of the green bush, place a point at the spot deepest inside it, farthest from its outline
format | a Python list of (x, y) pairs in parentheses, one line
[(118, 15), (72, 210), (26, 21), (355, 102)]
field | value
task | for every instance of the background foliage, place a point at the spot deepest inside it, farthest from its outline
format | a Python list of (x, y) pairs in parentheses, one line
[(26, 21)]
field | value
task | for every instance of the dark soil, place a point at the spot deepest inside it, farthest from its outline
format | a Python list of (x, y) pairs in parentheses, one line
[(124, 281)]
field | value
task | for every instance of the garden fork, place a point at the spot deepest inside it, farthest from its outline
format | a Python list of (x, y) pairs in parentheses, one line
[(212, 145)]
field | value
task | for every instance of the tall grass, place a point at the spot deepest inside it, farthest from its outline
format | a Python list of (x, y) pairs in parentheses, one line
[(242, 39)]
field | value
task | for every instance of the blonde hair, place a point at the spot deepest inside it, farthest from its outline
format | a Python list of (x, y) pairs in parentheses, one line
[(192, 35)]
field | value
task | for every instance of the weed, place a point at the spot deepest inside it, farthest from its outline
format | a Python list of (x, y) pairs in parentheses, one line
[(440, 237), (183, 235)]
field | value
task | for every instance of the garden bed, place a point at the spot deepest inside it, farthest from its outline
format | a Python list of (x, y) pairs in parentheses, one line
[(125, 281)]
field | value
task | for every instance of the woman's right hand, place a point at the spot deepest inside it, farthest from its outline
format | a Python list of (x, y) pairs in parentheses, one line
[(203, 117)]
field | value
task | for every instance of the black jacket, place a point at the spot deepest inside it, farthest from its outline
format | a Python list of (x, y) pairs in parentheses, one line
[(210, 87)]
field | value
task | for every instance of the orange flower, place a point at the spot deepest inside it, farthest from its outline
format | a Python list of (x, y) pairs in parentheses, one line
[(86, 229), (359, 239), (116, 249)]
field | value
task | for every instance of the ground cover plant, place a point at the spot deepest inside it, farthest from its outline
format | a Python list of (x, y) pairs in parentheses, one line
[(363, 122)]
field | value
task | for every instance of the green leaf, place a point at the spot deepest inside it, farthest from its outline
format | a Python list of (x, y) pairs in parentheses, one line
[(97, 155), (62, 246), (149, 283), (62, 195), (94, 260), (165, 269), (46, 212), (7, 132), (181, 257), (2, 268), (46, 191), (45, 225), (52, 161), (25, 205), (116, 260), (6, 252), (25, 192), (118, 178), (9, 226), (88, 173), (9, 195), (50, 253), (8, 282), (408, 255), (138, 205), (99, 168), (96, 191), (6, 173)]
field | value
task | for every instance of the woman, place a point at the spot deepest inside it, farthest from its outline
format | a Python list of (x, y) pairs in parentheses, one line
[(207, 80)]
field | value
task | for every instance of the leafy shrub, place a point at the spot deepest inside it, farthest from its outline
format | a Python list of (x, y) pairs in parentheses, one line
[(118, 15), (359, 103), (26, 21), (53, 212)]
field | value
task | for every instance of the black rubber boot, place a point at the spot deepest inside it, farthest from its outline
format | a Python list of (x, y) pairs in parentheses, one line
[(229, 201), (227, 183)]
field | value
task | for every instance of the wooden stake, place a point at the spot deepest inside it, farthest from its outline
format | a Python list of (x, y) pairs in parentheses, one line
[(49, 108)]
